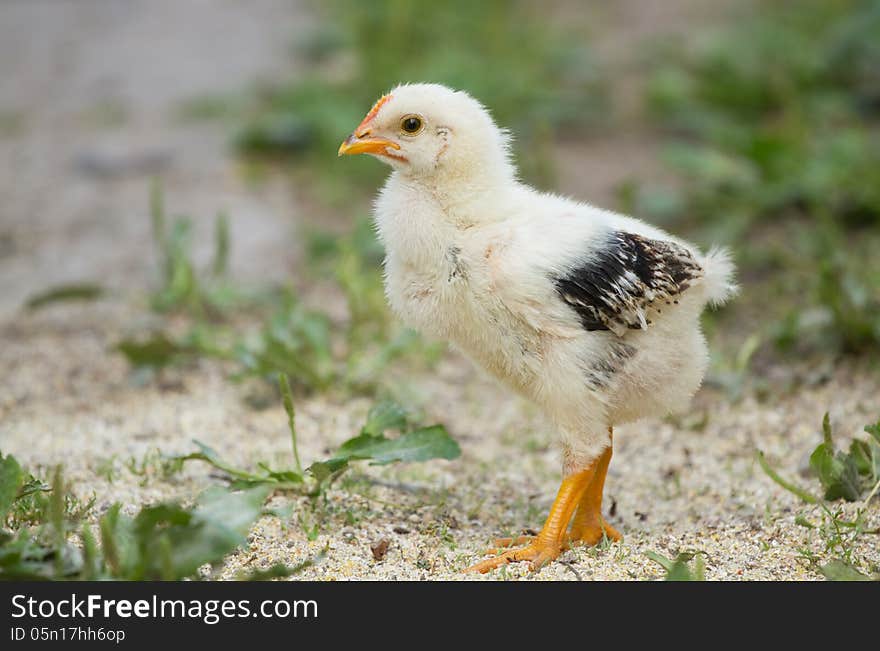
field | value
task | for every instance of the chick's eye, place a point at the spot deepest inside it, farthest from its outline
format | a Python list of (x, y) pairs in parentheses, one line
[(411, 124)]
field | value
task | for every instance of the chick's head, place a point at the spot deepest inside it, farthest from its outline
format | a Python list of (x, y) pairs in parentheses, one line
[(429, 130)]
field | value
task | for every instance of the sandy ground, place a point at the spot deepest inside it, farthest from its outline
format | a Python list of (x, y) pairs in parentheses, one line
[(90, 98)]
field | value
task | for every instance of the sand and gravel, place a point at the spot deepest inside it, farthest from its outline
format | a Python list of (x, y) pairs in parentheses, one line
[(690, 483)]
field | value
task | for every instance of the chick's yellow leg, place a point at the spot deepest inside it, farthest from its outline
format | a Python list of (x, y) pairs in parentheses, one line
[(553, 537), (588, 526)]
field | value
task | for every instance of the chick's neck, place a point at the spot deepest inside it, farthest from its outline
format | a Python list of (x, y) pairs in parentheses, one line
[(467, 195)]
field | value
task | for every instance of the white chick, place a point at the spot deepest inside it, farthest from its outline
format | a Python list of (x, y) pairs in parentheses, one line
[(592, 315)]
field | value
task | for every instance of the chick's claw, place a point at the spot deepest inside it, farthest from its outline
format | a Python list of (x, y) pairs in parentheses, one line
[(538, 554), (502, 544)]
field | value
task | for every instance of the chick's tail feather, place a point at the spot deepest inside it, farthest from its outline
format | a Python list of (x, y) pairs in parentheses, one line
[(718, 278)]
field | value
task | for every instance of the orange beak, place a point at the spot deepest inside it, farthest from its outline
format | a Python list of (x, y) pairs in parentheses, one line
[(360, 141)]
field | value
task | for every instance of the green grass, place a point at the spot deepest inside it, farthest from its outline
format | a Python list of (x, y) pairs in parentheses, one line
[(778, 147), (183, 287), (65, 293), (414, 443), (853, 476), (44, 533), (26, 499), (315, 351), (679, 568), (850, 475), (838, 535), (788, 122)]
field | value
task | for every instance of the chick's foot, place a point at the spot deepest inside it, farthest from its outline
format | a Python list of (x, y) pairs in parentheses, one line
[(538, 553), (552, 540), (501, 544)]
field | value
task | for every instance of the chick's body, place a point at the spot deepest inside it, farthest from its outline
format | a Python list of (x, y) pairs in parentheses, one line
[(592, 315), (490, 289)]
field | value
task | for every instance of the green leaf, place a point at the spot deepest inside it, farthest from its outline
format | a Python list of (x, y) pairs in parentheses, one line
[(281, 476), (221, 245), (155, 352), (118, 542), (23, 559), (31, 486), (174, 542), (287, 399), (209, 455), (323, 470), (822, 464), (219, 524), (787, 485), (839, 570), (11, 477), (419, 445), (681, 572), (72, 292), (660, 559), (359, 447), (157, 213), (826, 432), (57, 519), (875, 460), (243, 478), (384, 416), (279, 570), (838, 473), (874, 431), (861, 454), (236, 511), (165, 513), (678, 569), (90, 554)]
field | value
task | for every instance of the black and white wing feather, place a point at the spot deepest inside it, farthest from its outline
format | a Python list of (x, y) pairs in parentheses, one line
[(626, 277)]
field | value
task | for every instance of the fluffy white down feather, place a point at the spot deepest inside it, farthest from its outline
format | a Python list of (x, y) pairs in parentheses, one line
[(474, 256)]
